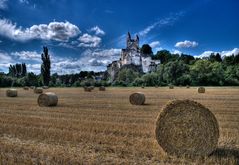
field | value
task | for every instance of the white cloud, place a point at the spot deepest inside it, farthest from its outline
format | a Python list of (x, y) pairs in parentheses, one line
[(224, 53), (176, 52), (154, 44), (186, 44), (89, 41), (5, 58), (3, 4), (165, 21), (97, 30), (27, 55), (58, 31)]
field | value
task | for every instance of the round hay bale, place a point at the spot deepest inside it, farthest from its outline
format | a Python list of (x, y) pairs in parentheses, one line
[(142, 87), (137, 98), (92, 87), (26, 88), (187, 128), (201, 90), (87, 89), (47, 99), (32, 87), (45, 87), (171, 86), (187, 86), (11, 93), (38, 90), (102, 88)]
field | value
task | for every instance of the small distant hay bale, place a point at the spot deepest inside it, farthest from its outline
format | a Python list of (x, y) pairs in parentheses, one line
[(187, 86), (137, 98), (32, 87), (201, 90), (142, 87), (45, 87), (92, 87), (171, 86), (47, 99), (87, 89), (187, 128), (11, 93), (26, 88), (38, 90), (102, 88)]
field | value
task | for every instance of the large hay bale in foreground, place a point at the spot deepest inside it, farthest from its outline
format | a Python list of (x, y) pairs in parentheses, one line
[(201, 90), (102, 88), (137, 98), (38, 90), (187, 128), (11, 93), (47, 99)]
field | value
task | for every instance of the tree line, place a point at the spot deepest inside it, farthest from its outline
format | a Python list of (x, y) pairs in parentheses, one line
[(174, 69)]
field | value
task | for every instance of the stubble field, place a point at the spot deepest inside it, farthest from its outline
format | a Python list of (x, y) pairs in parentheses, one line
[(102, 127)]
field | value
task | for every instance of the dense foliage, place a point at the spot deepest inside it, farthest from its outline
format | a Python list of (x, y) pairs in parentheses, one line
[(174, 69)]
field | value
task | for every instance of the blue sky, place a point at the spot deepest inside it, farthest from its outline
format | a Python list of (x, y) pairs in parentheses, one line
[(89, 34)]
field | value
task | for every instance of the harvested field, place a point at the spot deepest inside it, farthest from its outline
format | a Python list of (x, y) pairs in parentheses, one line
[(104, 128)]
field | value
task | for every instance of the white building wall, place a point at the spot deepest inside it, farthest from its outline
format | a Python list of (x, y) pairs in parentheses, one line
[(146, 61)]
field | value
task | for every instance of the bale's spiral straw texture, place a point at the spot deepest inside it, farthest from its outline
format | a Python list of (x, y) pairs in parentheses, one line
[(102, 88), (26, 88), (187, 128), (171, 86), (137, 98), (11, 93), (47, 99), (38, 90), (201, 90)]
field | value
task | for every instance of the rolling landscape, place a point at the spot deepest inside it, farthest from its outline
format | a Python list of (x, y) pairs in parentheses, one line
[(119, 82)]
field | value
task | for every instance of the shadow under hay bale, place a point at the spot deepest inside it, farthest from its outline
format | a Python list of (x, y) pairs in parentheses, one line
[(102, 88), (47, 99), (226, 153), (201, 90), (38, 90), (11, 93), (137, 98), (185, 127)]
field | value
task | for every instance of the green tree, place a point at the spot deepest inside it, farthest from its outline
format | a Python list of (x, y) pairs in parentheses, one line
[(46, 66), (146, 49), (162, 55)]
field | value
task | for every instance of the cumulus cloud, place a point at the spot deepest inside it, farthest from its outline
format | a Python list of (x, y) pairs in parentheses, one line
[(27, 55), (176, 52), (186, 44), (5, 58), (97, 30), (154, 44), (58, 31), (3, 4), (89, 41)]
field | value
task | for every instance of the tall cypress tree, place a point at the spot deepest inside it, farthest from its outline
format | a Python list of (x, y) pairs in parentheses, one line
[(46, 66)]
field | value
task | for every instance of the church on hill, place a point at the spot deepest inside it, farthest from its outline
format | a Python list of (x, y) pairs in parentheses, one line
[(131, 57)]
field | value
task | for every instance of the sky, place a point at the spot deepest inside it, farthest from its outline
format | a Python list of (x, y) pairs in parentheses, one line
[(89, 34)]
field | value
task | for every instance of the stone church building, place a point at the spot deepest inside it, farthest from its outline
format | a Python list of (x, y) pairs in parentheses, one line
[(131, 57)]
